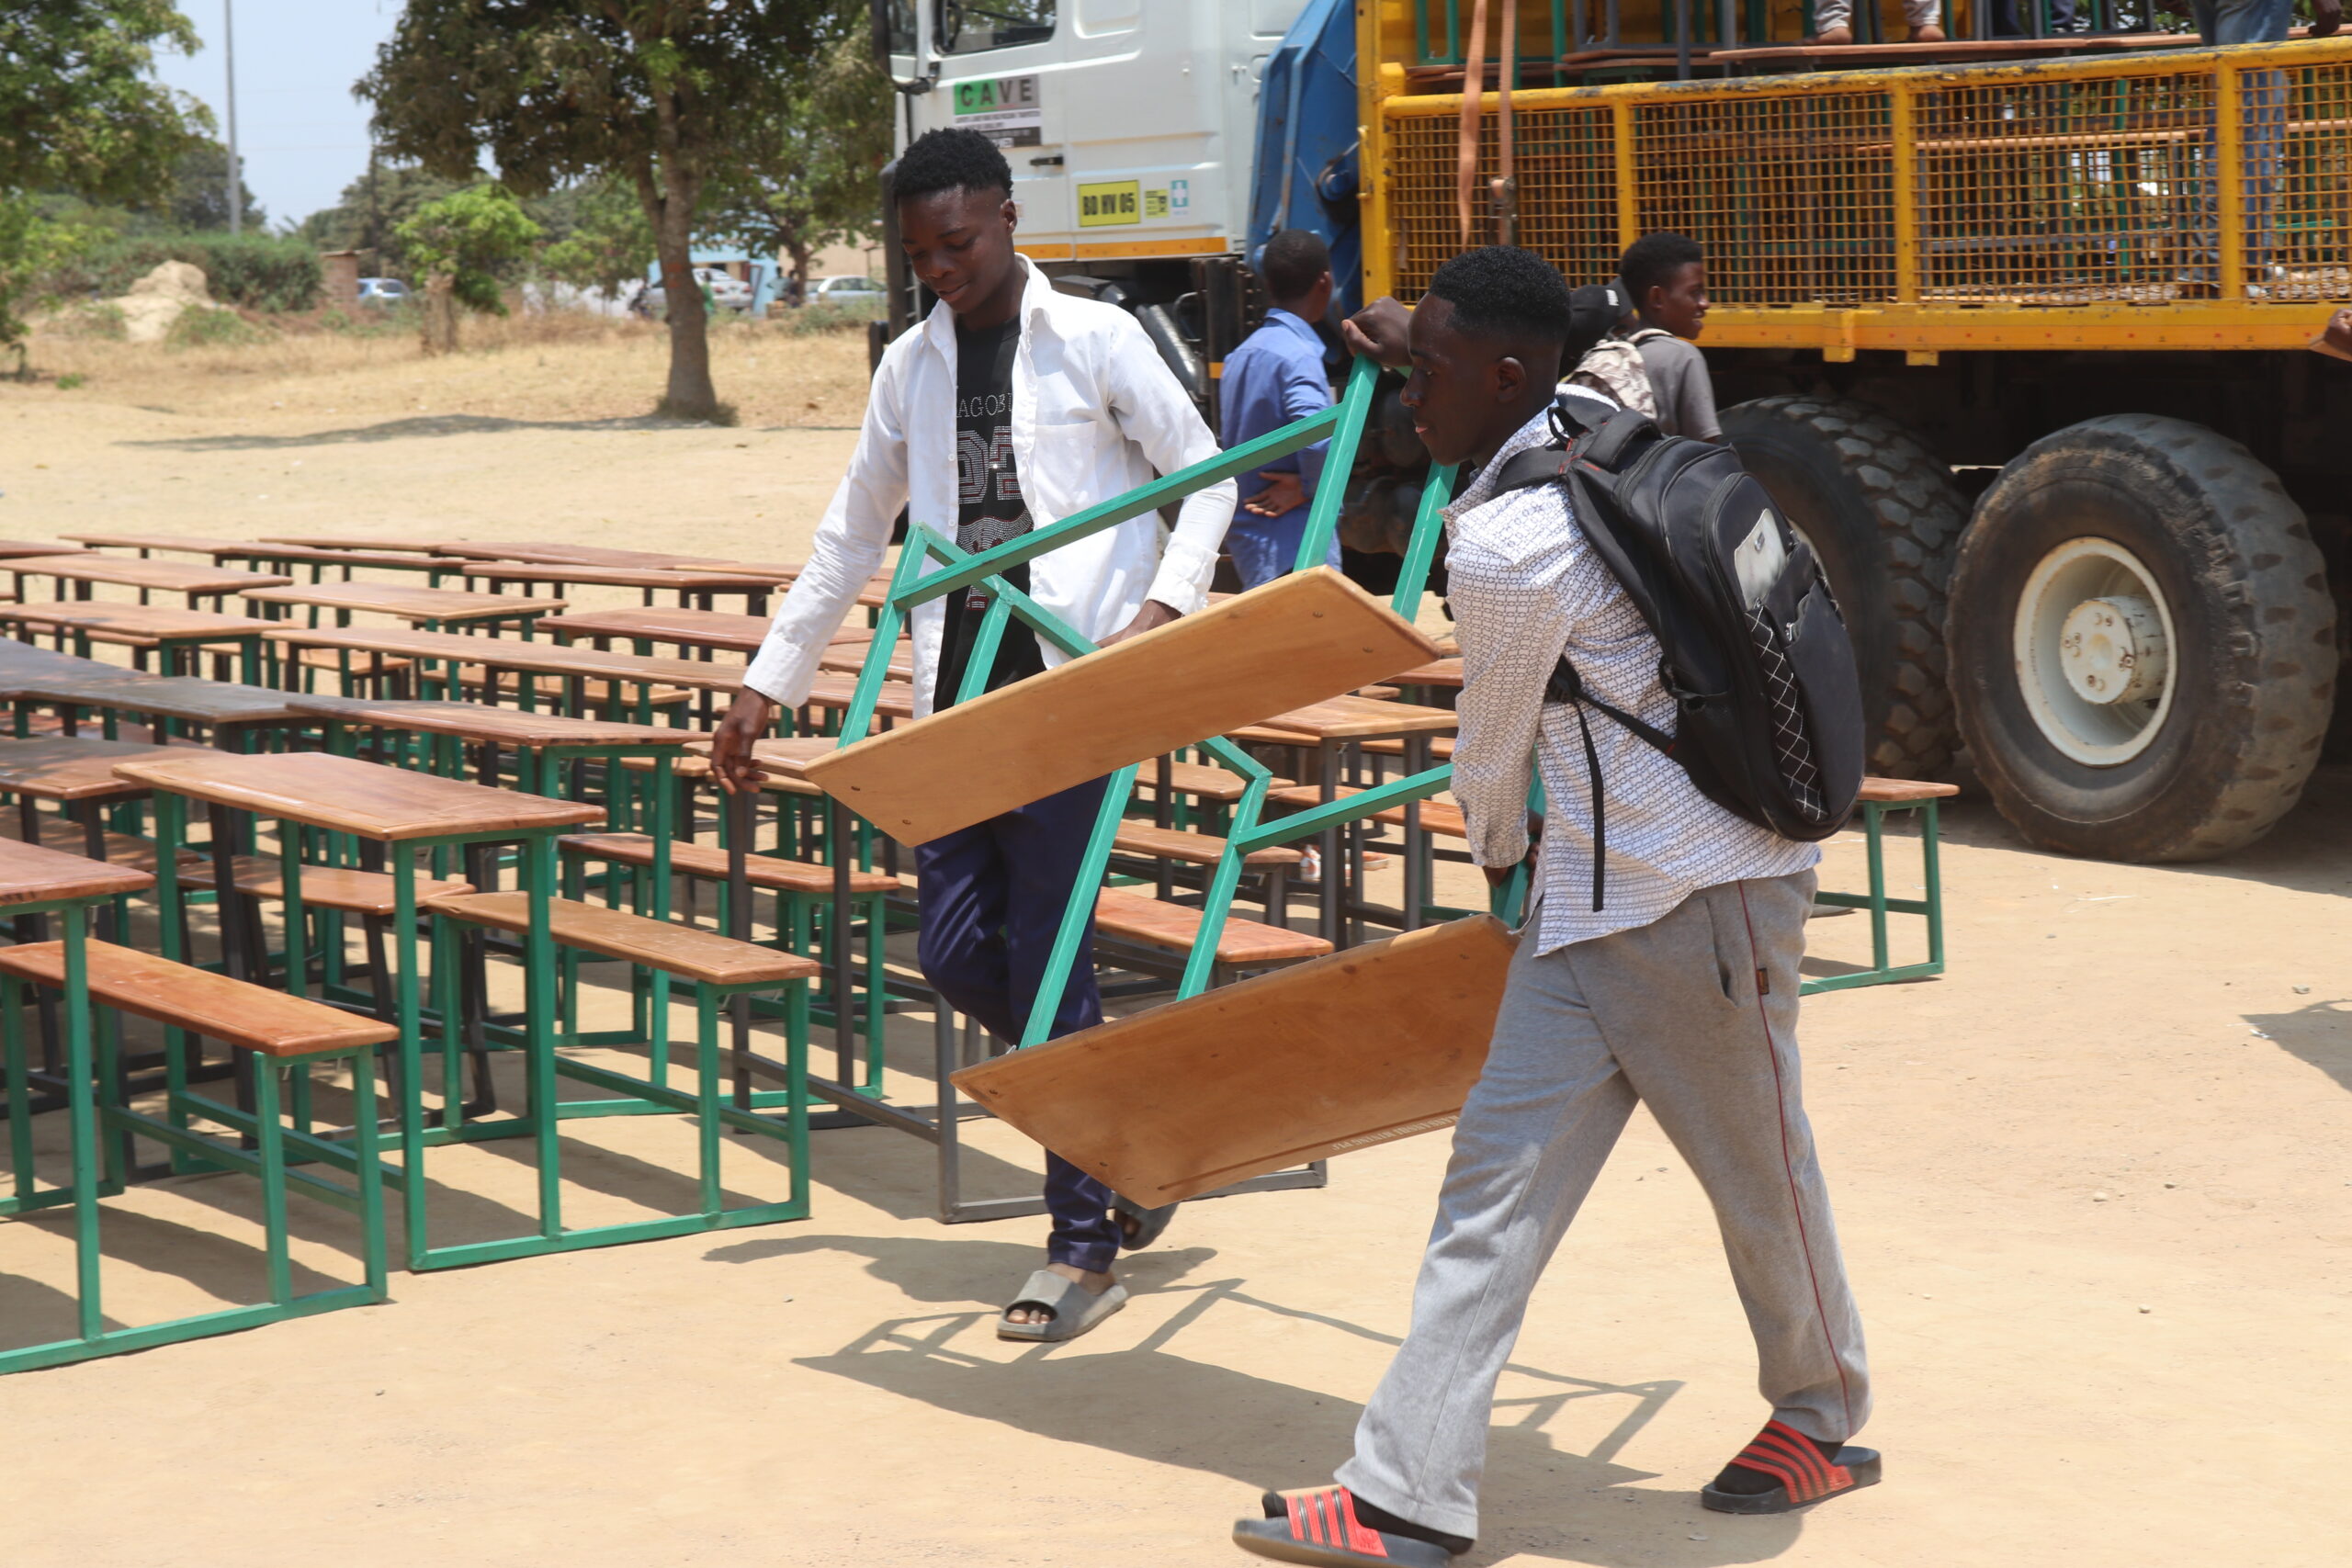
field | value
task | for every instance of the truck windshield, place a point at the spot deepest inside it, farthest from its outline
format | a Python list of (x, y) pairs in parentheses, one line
[(970, 27)]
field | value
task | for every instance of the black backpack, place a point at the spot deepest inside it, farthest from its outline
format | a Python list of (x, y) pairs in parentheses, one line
[(1756, 654)]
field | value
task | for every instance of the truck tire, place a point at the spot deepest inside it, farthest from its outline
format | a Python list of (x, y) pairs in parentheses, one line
[(2144, 641), (1882, 514)]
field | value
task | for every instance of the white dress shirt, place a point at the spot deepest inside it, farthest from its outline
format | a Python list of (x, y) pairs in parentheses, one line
[(1095, 412), (1525, 587)]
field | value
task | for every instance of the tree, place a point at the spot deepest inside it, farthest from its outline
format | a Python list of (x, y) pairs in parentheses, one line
[(655, 93), (372, 209), (81, 114), (198, 201), (812, 175), (460, 244), (609, 244)]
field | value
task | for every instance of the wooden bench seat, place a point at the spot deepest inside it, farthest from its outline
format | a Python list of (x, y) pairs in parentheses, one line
[(771, 873), (1201, 781), (66, 837), (1174, 928), (1440, 817), (1195, 849), (1441, 748), (695, 768), (269, 1022), (658, 944), (1890, 790), (340, 887), (596, 689)]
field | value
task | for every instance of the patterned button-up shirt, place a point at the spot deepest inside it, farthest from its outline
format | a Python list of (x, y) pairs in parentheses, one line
[(1525, 587)]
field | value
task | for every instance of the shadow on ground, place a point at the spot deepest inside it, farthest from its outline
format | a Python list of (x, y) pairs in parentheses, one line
[(1256, 1431), (2319, 1034), (409, 430)]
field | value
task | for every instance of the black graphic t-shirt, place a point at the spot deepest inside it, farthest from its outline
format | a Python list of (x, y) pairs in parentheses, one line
[(990, 509)]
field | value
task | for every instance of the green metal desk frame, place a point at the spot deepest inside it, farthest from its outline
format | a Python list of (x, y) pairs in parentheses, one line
[(1882, 968), (99, 1164)]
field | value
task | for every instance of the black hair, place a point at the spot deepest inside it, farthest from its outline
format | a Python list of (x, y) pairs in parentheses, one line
[(1503, 291), (950, 159), (1652, 262), (1291, 262)]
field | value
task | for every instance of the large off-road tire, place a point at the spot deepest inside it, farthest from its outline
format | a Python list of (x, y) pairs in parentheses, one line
[(1881, 513), (2143, 642)]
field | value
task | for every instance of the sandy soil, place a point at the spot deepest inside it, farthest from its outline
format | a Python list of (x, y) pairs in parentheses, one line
[(2092, 1185)]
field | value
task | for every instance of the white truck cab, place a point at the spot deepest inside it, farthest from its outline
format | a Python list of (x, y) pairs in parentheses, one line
[(1128, 123)]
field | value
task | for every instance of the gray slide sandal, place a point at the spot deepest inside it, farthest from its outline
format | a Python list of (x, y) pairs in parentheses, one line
[(1076, 1309)]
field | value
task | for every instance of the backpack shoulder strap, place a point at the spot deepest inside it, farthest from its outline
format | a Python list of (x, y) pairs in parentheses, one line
[(1535, 466)]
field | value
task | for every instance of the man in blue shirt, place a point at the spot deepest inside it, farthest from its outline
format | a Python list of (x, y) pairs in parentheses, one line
[(1274, 378)]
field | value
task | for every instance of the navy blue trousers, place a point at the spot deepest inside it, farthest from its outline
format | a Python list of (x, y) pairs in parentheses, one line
[(993, 899)]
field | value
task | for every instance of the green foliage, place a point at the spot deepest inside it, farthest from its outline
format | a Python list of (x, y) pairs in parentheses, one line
[(33, 250), (80, 111), (813, 321), (198, 200), (368, 217), (261, 272), (71, 380), (652, 94), (609, 244), (200, 326), (470, 238), (810, 175)]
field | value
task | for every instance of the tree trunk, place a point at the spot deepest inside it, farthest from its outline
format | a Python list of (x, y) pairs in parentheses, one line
[(800, 253), (671, 206), (438, 320)]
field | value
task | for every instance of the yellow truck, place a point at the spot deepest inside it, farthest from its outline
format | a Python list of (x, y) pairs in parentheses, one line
[(2013, 329)]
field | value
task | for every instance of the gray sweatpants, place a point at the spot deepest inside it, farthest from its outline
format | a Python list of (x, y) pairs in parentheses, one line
[(1669, 1014)]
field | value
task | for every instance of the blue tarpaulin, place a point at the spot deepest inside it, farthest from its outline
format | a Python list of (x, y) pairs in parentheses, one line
[(1305, 173)]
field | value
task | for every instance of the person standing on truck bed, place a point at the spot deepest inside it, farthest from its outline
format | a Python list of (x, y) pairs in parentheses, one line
[(1835, 20), (1012, 406), (1666, 275), (1274, 378), (1680, 995)]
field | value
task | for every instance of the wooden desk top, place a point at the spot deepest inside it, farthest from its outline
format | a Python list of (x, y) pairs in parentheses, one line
[(88, 566), (182, 542), (134, 622), (548, 552), (1355, 718), (497, 727), (31, 875), (516, 653), (70, 768), (159, 697), (789, 755), (834, 690), (685, 628), (849, 658), (872, 596), (344, 795), (12, 548), (404, 600), (700, 580), (311, 555), (349, 542), (1437, 673)]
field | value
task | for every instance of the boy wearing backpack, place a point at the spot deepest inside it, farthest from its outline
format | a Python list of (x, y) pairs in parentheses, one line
[(1679, 990)]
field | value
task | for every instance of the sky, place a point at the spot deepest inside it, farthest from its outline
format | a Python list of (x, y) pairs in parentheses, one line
[(302, 135)]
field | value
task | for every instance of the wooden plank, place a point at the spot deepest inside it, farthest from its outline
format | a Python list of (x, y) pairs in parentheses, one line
[(350, 542), (515, 653), (695, 582), (1897, 790), (1176, 929), (132, 571), (11, 549), (679, 627), (1347, 1052), (181, 543), (709, 861), (340, 887), (1351, 717), (109, 620), (311, 555), (351, 797), (1296, 640), (490, 726), (548, 552), (32, 874), (404, 600), (95, 685), (212, 1005), (65, 767), (678, 950)]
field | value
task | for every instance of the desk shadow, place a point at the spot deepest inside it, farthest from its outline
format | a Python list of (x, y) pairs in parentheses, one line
[(406, 430), (899, 1173), (926, 1269), (2318, 1033)]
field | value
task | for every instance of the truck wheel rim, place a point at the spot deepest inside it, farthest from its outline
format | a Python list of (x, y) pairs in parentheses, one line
[(2093, 642)]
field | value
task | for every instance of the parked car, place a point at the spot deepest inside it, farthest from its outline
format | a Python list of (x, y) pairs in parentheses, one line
[(384, 292), (727, 292), (846, 291)]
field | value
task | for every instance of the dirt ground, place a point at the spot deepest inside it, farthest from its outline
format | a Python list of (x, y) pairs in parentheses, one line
[(2092, 1185)]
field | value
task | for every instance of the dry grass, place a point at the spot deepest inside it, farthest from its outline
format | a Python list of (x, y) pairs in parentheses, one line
[(539, 367)]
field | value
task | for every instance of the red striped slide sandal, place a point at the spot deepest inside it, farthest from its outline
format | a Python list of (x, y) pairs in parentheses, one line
[(1803, 1473), (1319, 1526)]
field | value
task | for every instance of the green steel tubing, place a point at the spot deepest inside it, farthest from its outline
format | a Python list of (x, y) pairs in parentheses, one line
[(1323, 519), (1080, 907), (1026, 548), (982, 663), (859, 719), (1429, 530)]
